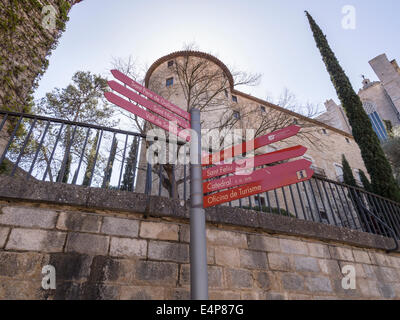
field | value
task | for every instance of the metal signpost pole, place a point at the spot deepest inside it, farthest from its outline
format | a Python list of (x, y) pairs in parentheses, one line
[(198, 247)]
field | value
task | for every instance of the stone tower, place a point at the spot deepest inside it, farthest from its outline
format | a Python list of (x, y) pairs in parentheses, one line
[(25, 46)]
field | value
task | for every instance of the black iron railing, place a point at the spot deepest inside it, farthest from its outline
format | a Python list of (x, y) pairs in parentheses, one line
[(48, 149)]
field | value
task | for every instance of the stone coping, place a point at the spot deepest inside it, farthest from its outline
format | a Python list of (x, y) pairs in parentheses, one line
[(16, 188)]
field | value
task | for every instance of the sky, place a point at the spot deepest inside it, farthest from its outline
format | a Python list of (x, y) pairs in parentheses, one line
[(269, 37)]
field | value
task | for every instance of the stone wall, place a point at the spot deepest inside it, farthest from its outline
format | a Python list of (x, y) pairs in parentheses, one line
[(122, 245)]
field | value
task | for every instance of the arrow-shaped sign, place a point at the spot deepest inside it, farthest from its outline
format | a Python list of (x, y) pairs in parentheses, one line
[(150, 94), (249, 146), (295, 175), (164, 124), (262, 174), (257, 161), (148, 104)]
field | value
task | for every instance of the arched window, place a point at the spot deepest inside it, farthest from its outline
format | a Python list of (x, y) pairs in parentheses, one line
[(376, 120)]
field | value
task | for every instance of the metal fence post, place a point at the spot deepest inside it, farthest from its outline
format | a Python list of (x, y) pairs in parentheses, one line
[(198, 246)]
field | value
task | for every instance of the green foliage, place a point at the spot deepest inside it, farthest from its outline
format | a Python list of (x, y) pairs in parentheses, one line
[(365, 181), (130, 167), (378, 167), (392, 150), (348, 173), (21, 63)]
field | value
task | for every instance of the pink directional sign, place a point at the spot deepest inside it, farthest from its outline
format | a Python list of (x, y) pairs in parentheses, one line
[(296, 174), (149, 94), (258, 175), (250, 145), (148, 104), (257, 161), (164, 124)]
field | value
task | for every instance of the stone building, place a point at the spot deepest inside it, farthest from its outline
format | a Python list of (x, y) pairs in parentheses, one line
[(325, 143), (381, 100)]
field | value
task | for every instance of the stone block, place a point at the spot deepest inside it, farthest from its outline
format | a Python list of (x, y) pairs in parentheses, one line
[(226, 238), (368, 288), (3, 236), (79, 222), (142, 293), (226, 256), (120, 227), (184, 233), (340, 253), (36, 240), (318, 284), (263, 280), (292, 282), (223, 295), (168, 251), (177, 294), (330, 267), (87, 243), (157, 272), (159, 231), (126, 247), (318, 250), (214, 276), (306, 264), (239, 279), (263, 243), (361, 256), (293, 246), (21, 265), (28, 217), (279, 262), (253, 259), (387, 291), (379, 259), (70, 266)]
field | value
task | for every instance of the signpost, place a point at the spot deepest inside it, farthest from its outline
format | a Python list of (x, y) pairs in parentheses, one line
[(161, 113), (251, 145), (286, 174)]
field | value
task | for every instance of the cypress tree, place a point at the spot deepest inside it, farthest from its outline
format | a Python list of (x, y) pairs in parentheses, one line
[(365, 181), (130, 167), (348, 173), (378, 167), (108, 170)]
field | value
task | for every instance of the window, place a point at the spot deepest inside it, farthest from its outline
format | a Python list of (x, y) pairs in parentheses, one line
[(169, 82), (236, 115), (295, 121), (376, 121), (263, 109), (170, 63), (226, 93), (324, 131), (234, 99), (347, 140), (339, 172)]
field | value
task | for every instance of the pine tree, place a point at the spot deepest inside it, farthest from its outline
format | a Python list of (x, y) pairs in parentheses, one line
[(91, 159), (348, 173), (378, 167)]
